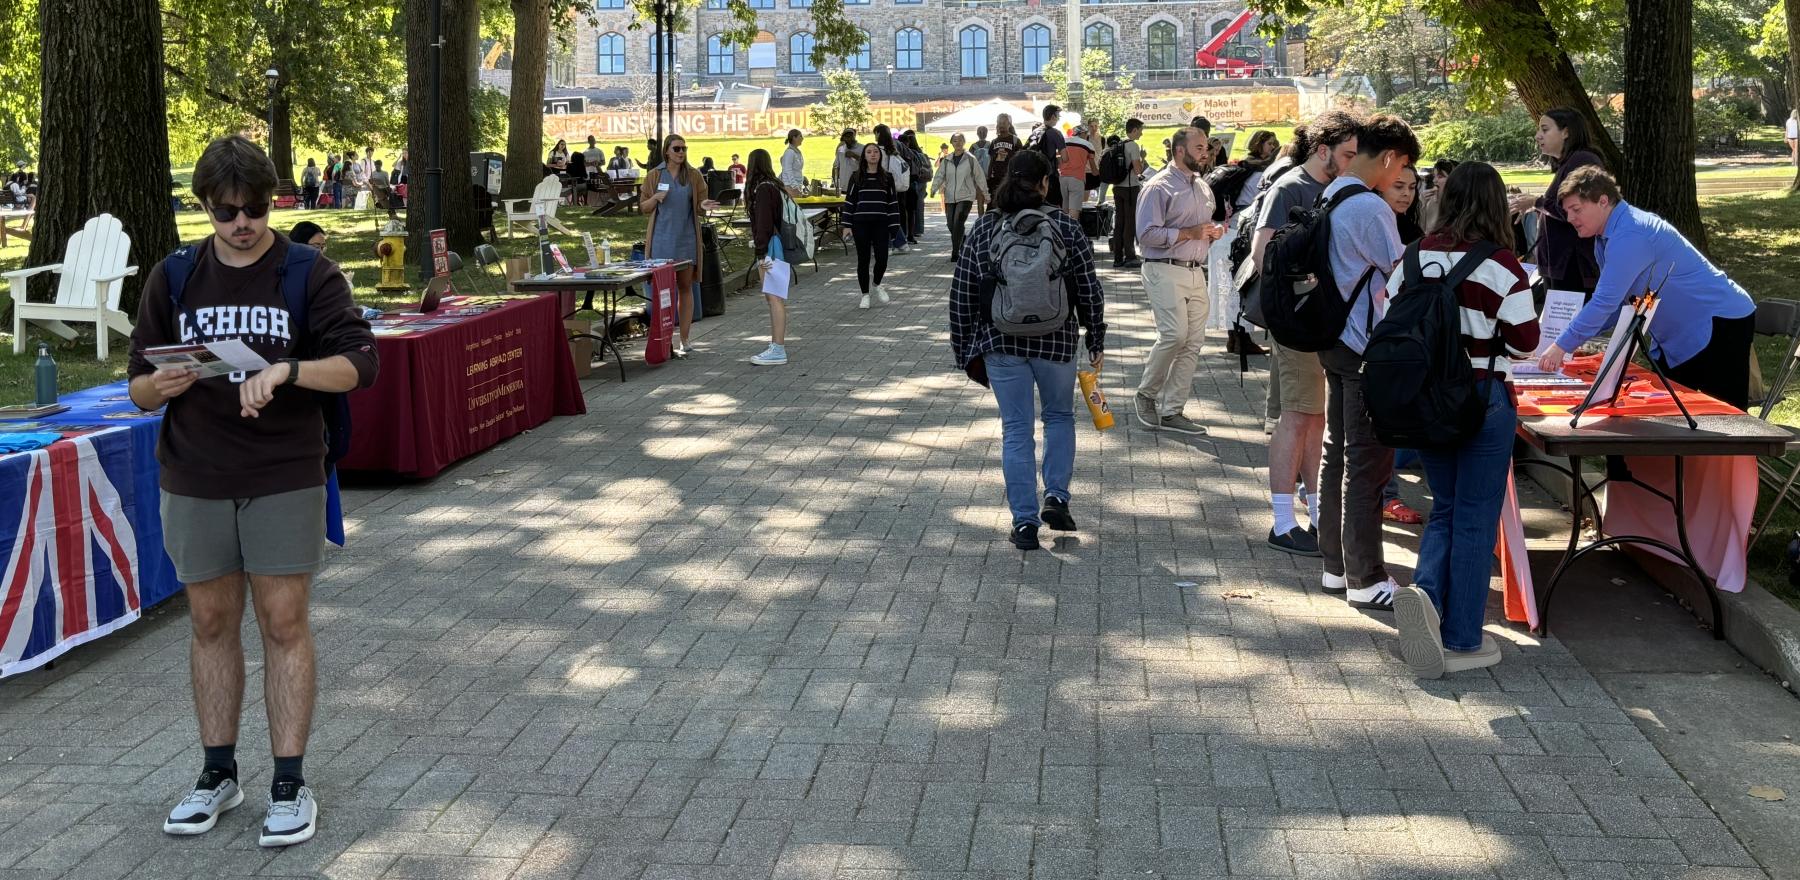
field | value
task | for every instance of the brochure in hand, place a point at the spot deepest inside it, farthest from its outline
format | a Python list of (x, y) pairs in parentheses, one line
[(207, 358)]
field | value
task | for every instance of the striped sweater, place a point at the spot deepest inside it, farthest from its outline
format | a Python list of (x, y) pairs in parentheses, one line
[(1499, 320), (872, 200)]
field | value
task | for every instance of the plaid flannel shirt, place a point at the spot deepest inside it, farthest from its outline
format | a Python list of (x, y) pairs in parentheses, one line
[(972, 332)]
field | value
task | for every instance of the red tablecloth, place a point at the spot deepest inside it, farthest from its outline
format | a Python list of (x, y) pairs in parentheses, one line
[(449, 392)]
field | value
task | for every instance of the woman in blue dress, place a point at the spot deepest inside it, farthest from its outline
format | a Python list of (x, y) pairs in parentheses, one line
[(674, 198)]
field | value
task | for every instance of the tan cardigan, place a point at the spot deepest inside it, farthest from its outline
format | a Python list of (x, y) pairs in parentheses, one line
[(697, 185)]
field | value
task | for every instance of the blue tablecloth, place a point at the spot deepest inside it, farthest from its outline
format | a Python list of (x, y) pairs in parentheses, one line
[(80, 530)]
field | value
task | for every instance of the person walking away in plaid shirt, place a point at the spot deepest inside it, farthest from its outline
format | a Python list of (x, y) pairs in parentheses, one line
[(1016, 366)]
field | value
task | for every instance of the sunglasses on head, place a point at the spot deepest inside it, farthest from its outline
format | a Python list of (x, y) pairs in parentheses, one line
[(226, 213)]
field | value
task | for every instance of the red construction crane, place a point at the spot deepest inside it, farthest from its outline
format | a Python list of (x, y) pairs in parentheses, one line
[(1237, 61)]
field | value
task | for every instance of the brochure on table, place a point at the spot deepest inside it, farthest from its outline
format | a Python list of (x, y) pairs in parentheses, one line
[(1560, 309)]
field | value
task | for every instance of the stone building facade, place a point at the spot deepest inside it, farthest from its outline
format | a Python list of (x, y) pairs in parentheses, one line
[(915, 47)]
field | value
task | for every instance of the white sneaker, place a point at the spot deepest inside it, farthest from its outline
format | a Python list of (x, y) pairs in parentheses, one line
[(864, 302), (293, 816), (213, 796), (881, 295), (1376, 597), (1333, 584), (770, 357)]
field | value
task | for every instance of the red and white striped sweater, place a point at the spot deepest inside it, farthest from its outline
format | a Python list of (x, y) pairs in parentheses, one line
[(1499, 319)]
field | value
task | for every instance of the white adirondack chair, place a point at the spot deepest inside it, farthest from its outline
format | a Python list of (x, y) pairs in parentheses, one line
[(524, 211), (92, 277)]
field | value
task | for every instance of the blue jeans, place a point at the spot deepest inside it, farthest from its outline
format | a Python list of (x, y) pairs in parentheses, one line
[(1456, 554), (1013, 379)]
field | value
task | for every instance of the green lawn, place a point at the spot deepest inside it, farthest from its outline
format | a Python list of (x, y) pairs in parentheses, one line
[(351, 241)]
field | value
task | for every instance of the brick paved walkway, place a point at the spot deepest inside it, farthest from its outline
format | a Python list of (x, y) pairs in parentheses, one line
[(763, 623)]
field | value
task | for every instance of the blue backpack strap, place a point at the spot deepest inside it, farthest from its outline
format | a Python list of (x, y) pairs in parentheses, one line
[(294, 272), (177, 266)]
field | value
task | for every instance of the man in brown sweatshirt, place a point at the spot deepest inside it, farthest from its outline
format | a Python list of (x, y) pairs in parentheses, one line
[(243, 470)]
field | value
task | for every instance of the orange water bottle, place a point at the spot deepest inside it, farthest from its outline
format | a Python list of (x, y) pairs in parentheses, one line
[(1096, 399)]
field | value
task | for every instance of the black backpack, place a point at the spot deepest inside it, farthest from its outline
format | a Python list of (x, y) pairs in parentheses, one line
[(1227, 182), (1114, 167), (1301, 303), (1417, 382), (1246, 226)]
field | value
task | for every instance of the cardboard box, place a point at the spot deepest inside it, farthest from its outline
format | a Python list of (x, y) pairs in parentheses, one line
[(581, 348)]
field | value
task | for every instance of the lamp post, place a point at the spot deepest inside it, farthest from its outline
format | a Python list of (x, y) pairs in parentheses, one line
[(274, 78), (434, 138), (890, 73)]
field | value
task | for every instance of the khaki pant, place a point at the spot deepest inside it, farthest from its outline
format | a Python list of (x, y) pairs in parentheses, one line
[(1178, 300), (1074, 192)]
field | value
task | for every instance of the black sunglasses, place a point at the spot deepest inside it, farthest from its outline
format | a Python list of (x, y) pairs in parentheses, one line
[(226, 213), (678, 149)]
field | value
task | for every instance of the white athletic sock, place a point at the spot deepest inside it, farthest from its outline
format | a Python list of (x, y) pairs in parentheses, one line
[(1312, 508), (1283, 506)]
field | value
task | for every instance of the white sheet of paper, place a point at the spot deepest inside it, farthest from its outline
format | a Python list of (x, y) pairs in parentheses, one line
[(239, 355), (1560, 309), (207, 359), (777, 278)]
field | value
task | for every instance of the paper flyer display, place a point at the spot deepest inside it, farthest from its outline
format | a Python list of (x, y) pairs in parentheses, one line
[(1560, 309), (207, 358)]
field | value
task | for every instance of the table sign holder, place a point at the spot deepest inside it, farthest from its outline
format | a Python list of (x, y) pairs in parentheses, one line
[(1612, 369)]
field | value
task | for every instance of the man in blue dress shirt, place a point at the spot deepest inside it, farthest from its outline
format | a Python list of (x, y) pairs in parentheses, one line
[(1704, 321)]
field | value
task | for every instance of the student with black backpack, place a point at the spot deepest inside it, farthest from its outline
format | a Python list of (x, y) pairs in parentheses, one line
[(1023, 289), (1362, 245), (1439, 369), (243, 468)]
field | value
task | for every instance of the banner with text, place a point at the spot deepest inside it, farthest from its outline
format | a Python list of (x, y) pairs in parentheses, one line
[(613, 125)]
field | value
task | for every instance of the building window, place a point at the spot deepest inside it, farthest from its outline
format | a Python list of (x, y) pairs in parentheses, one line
[(860, 60), (800, 4), (856, 2), (611, 53), (609, 4), (1163, 57), (715, 4), (656, 52), (907, 2), (1036, 40), (721, 59), (974, 41), (800, 47), (1100, 36), (763, 4), (909, 49)]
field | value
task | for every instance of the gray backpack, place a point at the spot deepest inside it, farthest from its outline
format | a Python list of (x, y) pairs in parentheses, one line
[(1029, 297)]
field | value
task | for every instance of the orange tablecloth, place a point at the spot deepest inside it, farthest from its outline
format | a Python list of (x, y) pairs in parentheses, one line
[(1720, 490)]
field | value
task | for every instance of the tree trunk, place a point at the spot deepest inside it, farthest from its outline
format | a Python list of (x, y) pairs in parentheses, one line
[(1659, 113), (104, 139), (525, 104), (1545, 77), (1793, 67), (1774, 95), (281, 137), (460, 20)]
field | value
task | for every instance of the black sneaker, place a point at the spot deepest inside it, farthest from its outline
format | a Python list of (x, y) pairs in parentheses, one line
[(1297, 541), (1056, 514), (1024, 536)]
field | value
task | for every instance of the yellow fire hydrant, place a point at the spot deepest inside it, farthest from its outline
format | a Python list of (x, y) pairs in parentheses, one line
[(391, 250)]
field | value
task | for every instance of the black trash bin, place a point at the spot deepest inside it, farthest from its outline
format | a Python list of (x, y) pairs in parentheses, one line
[(712, 278)]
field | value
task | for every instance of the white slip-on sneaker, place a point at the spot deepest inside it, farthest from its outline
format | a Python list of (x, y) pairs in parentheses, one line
[(864, 302), (1421, 632), (213, 796), (1333, 584), (1375, 597), (293, 815), (881, 295)]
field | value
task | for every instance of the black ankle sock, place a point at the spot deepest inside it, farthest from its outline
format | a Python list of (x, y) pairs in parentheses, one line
[(222, 758), (288, 769)]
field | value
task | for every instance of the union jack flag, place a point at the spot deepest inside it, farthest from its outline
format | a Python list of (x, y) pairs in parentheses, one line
[(72, 571)]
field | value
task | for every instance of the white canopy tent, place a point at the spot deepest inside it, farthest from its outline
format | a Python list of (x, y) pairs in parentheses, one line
[(967, 119)]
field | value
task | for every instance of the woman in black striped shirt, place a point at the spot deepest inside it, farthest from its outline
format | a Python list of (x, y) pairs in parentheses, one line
[(874, 211)]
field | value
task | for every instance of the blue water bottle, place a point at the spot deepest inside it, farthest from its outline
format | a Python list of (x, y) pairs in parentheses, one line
[(46, 376)]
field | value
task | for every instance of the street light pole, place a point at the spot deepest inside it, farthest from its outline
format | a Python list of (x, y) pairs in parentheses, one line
[(434, 171), (1072, 50), (890, 73)]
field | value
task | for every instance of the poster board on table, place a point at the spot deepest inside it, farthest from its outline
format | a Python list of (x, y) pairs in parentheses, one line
[(440, 253), (1619, 351)]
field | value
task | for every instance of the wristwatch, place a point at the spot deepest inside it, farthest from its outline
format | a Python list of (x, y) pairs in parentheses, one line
[(293, 375)]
